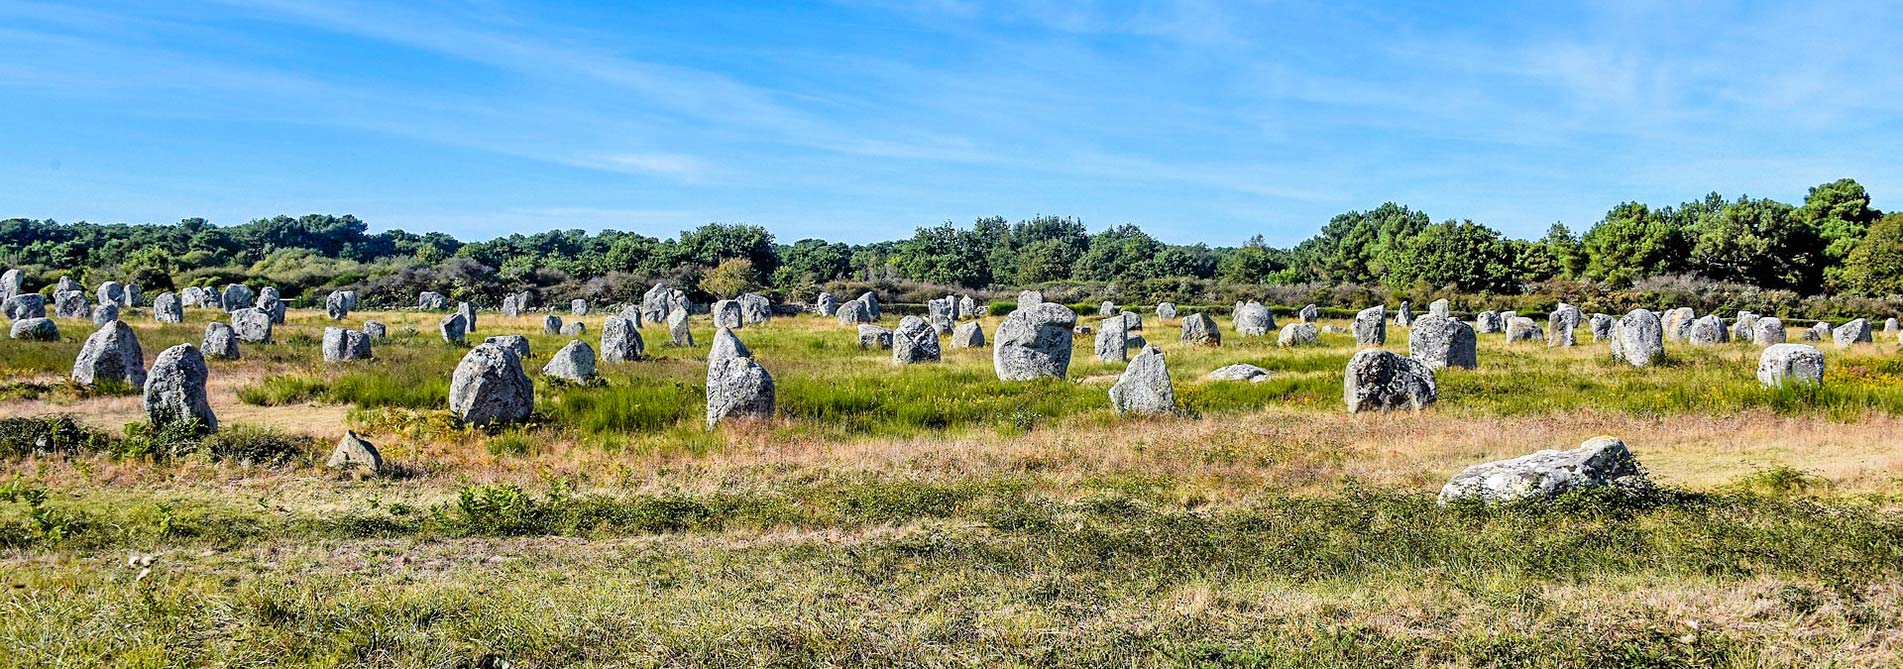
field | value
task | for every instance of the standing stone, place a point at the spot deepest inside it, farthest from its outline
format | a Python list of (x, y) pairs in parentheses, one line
[(1889, 325), (1488, 322), (66, 283), (755, 309), (1521, 328), (575, 363), (237, 296), (1108, 308), (71, 304), (1597, 463), (1438, 308), (578, 307), (632, 314), (489, 387), (1441, 341), (252, 325), (10, 284), (1377, 380), (26, 305), (110, 354), (1791, 364), (166, 308), (825, 304), (1145, 386), (1371, 327), (175, 391), (1601, 327), (727, 314), (1311, 313), (1298, 334), (1745, 327), (1678, 322), (677, 329), (1818, 331), (621, 341), (873, 337), (335, 306), (1200, 329), (220, 341), (271, 305), (431, 301), (1507, 317), (1254, 320), (341, 345), (853, 311), (1166, 310), (551, 324), (916, 341), (1768, 330), (967, 307), (1707, 330), (511, 307), (968, 335), (1111, 336), (455, 329), (1402, 316), (517, 344), (737, 388), (1638, 338), (350, 299), (1563, 320), (192, 296), (1030, 298), (105, 312), (1852, 333), (468, 312), (112, 292), (574, 329), (352, 453), (1034, 343), (38, 328), (941, 324), (656, 303)]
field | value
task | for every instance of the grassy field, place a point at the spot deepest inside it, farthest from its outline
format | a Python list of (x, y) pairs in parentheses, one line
[(934, 516)]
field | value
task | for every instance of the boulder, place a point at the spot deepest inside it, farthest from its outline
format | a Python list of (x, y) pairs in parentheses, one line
[(1791, 364), (1402, 316), (1707, 330), (1438, 308), (1144, 388), (468, 312), (575, 363), (872, 304), (1676, 323), (517, 344), (941, 323), (134, 296), (272, 306), (968, 335), (166, 308), (1298, 334), (71, 304), (1244, 372), (677, 329), (737, 388), (755, 309), (967, 307), (1310, 314), (1200, 329), (110, 354), (251, 325), (105, 312), (914, 342), (1602, 327), (341, 345), (1597, 463), (1371, 327), (192, 296), (657, 302), (1521, 328), (825, 304), (353, 454), (1166, 310), (34, 329), (112, 292), (336, 307), (1638, 338), (1109, 343), (1441, 341), (1030, 298), (511, 306), (66, 283), (1488, 322), (350, 299), (455, 329), (1561, 324), (1889, 325), (1034, 342), (1856, 331), (1377, 380), (26, 305), (621, 341), (574, 329), (1254, 320), (1107, 308), (10, 281), (376, 329), (431, 301), (632, 314), (1768, 330), (578, 307), (853, 311), (489, 387), (551, 324), (220, 342), (873, 337), (1132, 321), (727, 314), (175, 390)]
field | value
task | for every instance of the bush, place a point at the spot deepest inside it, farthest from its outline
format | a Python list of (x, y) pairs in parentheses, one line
[(51, 435)]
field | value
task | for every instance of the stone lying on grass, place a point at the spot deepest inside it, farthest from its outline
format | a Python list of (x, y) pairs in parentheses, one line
[(1377, 380), (1243, 371), (353, 454), (1144, 387), (1597, 462), (175, 390), (1791, 364), (489, 387), (575, 363), (34, 329), (1298, 334)]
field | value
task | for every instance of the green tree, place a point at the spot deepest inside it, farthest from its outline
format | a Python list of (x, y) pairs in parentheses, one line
[(1462, 254), (944, 254), (1875, 266), (1632, 241), (1119, 253), (1758, 242), (1565, 250), (1252, 263), (732, 277), (1358, 247)]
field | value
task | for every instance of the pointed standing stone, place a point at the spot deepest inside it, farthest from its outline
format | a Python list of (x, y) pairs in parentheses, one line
[(1144, 387), (175, 391), (111, 354), (220, 341)]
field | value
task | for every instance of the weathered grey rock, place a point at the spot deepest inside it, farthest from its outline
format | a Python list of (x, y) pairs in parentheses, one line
[(727, 314), (1107, 308), (1110, 340), (755, 309), (1371, 327), (872, 304), (192, 296), (1889, 325), (112, 292), (1638, 338), (1145, 386), (350, 299), (1245, 372), (468, 312), (10, 282), (71, 304), (220, 342), (335, 307), (1030, 298), (1506, 317), (1744, 327), (873, 337), (26, 305), (166, 308), (1377, 380), (511, 305), (1034, 343), (1819, 331), (1298, 334), (1791, 364), (1402, 316), (657, 302), (1310, 314), (353, 454), (517, 344), (1200, 329), (551, 324), (1132, 321), (737, 388), (825, 304), (1602, 325), (272, 305), (251, 325), (621, 341), (431, 301), (135, 296), (1438, 308), (1441, 341), (1488, 322), (1597, 462), (1857, 331), (1562, 322), (968, 335), (967, 307), (853, 311), (575, 363), (941, 323), (1521, 328), (341, 345), (1707, 330), (1768, 330), (110, 354), (578, 307), (376, 329), (632, 314), (1166, 310), (1254, 320), (914, 342), (39, 328), (175, 390), (105, 312), (1334, 329), (237, 296), (67, 283), (574, 329), (677, 329), (1676, 323), (454, 328), (489, 387)]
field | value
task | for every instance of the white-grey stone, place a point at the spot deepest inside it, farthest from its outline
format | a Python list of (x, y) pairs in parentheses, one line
[(874, 338), (175, 390), (1438, 308), (575, 363), (1488, 322), (110, 354), (489, 387), (1199, 329), (1638, 338), (737, 388), (272, 305), (1602, 325), (251, 325), (1676, 323), (1707, 330), (1030, 298), (1441, 341), (105, 312), (1857, 331), (551, 324), (112, 292), (71, 304), (1377, 380), (166, 308), (1310, 314), (1166, 310), (220, 341), (468, 312), (134, 296), (578, 307), (1371, 326), (1246, 372), (968, 335), (915, 341), (1597, 462), (727, 314), (1791, 364), (34, 329), (1109, 343), (1402, 316), (1768, 330), (342, 345), (677, 329), (872, 304), (376, 329), (1561, 324), (574, 329), (755, 309), (825, 304), (1144, 388), (454, 329), (1254, 320), (1034, 343), (1298, 334), (621, 341), (517, 344), (10, 284), (352, 453), (852, 312), (336, 307), (1521, 328), (967, 307), (431, 301), (26, 305)]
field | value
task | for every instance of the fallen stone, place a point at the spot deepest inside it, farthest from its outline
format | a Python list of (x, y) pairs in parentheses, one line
[(1597, 463), (1791, 364), (38, 328), (1244, 372)]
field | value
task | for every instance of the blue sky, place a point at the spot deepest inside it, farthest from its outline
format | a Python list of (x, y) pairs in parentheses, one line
[(859, 121)]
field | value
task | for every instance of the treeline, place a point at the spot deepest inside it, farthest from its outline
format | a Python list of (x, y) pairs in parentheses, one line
[(1833, 243)]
